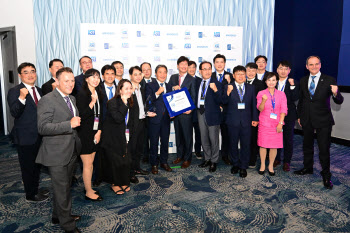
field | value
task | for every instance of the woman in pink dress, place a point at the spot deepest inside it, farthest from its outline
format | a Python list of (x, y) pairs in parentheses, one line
[(272, 105)]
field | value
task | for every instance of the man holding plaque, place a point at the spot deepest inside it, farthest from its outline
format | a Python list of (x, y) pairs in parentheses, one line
[(159, 120), (208, 101), (183, 123)]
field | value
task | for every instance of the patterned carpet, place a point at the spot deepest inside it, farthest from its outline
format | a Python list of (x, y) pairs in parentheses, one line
[(193, 200)]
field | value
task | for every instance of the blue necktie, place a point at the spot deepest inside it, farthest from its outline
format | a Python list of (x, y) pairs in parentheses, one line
[(110, 96), (148, 81), (161, 84), (312, 87), (220, 80)]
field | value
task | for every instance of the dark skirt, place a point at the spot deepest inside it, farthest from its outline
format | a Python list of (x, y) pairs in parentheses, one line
[(87, 142)]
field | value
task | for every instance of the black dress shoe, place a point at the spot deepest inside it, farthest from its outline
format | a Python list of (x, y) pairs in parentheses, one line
[(37, 198), (243, 173), (57, 221), (226, 161), (327, 183), (141, 172), (212, 167), (155, 170), (206, 163), (99, 198), (134, 180), (199, 155), (304, 171), (234, 170), (76, 230), (145, 159)]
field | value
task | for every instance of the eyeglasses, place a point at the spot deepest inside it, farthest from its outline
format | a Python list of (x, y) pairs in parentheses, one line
[(31, 72)]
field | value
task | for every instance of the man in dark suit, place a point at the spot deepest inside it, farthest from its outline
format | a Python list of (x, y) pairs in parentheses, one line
[(119, 70), (208, 101), (159, 120), (54, 65), (183, 122), (139, 109), (315, 114), (85, 63), (147, 78), (251, 72), (58, 118), (241, 115), (261, 62), (22, 100), (192, 66), (291, 89), (225, 78)]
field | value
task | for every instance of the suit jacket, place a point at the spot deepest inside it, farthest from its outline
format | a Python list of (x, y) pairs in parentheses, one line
[(317, 110), (105, 99), (224, 81), (258, 84), (25, 130), (244, 117), (59, 139), (189, 83), (135, 108), (292, 96), (143, 82), (47, 87), (194, 115), (154, 102), (212, 102), (78, 84)]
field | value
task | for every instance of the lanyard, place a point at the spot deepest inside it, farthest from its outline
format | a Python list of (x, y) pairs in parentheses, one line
[(262, 77), (241, 96), (283, 85), (98, 108), (273, 101), (206, 88)]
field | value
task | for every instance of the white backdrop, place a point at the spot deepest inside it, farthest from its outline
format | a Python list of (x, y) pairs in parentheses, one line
[(133, 44)]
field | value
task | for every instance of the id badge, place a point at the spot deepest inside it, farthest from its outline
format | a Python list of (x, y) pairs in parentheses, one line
[(241, 105), (96, 121), (201, 102), (127, 135), (273, 116)]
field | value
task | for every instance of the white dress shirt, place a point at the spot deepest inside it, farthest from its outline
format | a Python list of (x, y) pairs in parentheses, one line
[(30, 90), (315, 80), (140, 102), (160, 86)]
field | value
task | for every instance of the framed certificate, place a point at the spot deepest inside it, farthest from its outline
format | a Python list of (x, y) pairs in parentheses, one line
[(178, 102)]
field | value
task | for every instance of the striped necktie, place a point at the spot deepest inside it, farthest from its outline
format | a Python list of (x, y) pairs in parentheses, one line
[(312, 87)]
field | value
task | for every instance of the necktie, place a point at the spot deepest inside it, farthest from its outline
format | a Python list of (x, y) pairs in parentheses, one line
[(110, 96), (201, 106), (220, 75), (179, 81), (203, 89), (161, 84), (148, 81), (312, 87), (240, 92), (249, 82), (35, 97), (69, 105)]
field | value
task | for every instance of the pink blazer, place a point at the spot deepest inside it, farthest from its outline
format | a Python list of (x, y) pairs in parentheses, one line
[(281, 107)]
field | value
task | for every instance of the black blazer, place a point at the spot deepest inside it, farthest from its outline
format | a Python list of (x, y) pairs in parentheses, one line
[(143, 82), (224, 81), (25, 129), (105, 99), (47, 87), (292, 96), (317, 111), (78, 84), (194, 115), (258, 84), (135, 108), (189, 83)]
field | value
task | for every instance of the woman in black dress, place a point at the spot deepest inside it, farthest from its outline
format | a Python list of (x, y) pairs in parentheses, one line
[(89, 103), (117, 130)]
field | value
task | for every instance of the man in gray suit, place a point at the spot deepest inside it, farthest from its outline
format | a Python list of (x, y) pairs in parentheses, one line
[(58, 118)]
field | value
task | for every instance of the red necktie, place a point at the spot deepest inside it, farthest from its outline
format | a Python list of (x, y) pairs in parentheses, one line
[(179, 81), (35, 97)]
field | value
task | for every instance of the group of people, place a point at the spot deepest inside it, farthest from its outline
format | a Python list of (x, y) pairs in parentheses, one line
[(112, 123)]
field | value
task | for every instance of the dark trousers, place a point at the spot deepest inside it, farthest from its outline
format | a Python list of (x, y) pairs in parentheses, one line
[(254, 149), (61, 177), (184, 136), (197, 138), (146, 140), (241, 134), (29, 169), (137, 146), (323, 136), (288, 135), (159, 131), (224, 140)]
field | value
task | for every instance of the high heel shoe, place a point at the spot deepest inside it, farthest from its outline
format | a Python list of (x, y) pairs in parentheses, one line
[(272, 173), (99, 198), (261, 172)]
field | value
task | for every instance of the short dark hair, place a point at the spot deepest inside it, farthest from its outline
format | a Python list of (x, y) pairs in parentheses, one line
[(24, 65), (63, 70), (55, 60), (84, 57), (131, 70), (181, 59), (284, 63), (117, 62), (204, 62), (219, 56), (251, 65), (107, 67), (91, 72), (260, 56), (143, 63), (307, 59), (238, 68), (269, 75), (161, 66), (192, 63)]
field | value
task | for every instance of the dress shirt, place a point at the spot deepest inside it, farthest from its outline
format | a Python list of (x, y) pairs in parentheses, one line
[(283, 83), (261, 76), (140, 103), (160, 86), (315, 80), (30, 90), (182, 78), (243, 88), (148, 80), (218, 75), (107, 89), (63, 95), (250, 81), (201, 88)]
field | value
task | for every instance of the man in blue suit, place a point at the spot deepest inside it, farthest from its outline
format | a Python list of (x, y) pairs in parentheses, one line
[(241, 115), (22, 100), (208, 101), (183, 122), (159, 120), (85, 64)]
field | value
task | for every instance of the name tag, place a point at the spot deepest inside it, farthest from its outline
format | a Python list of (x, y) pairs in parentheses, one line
[(241, 105), (127, 135), (201, 102), (96, 121), (273, 116)]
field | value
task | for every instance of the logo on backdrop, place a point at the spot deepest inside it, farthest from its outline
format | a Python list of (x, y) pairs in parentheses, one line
[(125, 45), (124, 34), (200, 59), (93, 58), (170, 46), (156, 46), (200, 34), (228, 46), (157, 58), (187, 46), (187, 35), (91, 32), (106, 45), (138, 33), (156, 33), (202, 47), (216, 47), (231, 35), (216, 34), (172, 34), (92, 46)]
